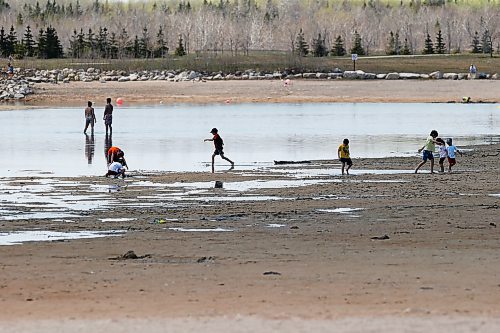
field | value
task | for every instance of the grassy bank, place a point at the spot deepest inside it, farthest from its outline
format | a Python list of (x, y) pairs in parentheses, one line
[(272, 61)]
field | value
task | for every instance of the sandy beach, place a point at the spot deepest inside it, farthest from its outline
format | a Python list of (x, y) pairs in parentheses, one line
[(154, 92), (296, 250)]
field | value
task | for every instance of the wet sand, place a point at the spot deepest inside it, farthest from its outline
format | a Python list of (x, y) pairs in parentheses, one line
[(290, 264), (153, 92)]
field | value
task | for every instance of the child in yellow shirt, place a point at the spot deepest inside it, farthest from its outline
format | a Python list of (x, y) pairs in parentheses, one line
[(344, 156)]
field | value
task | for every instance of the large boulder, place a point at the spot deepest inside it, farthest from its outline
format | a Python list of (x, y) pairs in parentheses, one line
[(495, 76), (409, 76), (309, 75), (381, 76), (438, 75), (450, 76), (335, 75), (321, 75), (353, 75), (392, 76)]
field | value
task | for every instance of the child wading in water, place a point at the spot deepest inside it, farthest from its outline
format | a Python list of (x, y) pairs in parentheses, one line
[(428, 150), (218, 143), (344, 156), (452, 150), (443, 153)]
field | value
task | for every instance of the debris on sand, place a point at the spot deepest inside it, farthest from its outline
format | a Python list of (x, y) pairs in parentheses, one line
[(381, 237), (271, 273), (205, 259), (130, 255), (291, 162)]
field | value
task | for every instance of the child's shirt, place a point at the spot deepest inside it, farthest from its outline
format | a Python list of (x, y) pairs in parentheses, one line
[(116, 167), (218, 143), (452, 151), (443, 152), (429, 144), (344, 151)]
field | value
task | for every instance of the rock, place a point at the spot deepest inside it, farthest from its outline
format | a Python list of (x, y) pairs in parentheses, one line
[(351, 75), (384, 237), (381, 76), (409, 76), (481, 76), (321, 75), (123, 79), (218, 77), (392, 76), (450, 76), (218, 184), (438, 75), (495, 76), (309, 75), (335, 75), (424, 76), (90, 70), (369, 76), (271, 273), (18, 96), (133, 77), (463, 76)]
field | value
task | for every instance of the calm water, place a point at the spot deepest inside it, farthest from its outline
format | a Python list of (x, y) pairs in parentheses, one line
[(171, 137)]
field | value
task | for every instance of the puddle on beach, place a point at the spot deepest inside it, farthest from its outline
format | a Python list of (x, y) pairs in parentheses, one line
[(19, 237), (200, 230), (348, 211), (171, 137), (275, 225)]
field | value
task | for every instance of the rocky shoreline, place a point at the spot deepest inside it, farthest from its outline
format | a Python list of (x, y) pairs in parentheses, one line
[(23, 82)]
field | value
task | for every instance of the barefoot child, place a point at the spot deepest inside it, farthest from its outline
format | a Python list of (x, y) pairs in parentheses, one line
[(218, 143), (344, 156), (428, 150), (443, 153), (452, 150)]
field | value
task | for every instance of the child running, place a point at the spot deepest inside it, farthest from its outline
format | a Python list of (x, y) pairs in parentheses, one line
[(428, 150), (218, 143), (344, 156), (452, 150), (443, 153)]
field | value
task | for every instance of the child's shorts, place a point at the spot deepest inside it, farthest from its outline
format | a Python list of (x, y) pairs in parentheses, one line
[(427, 155), (346, 160), (441, 160), (452, 161), (219, 152)]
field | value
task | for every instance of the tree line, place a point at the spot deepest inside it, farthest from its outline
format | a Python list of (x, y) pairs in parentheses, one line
[(157, 28)]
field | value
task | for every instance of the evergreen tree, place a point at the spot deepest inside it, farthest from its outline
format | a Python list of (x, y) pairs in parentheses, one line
[(77, 45), (319, 47), (51, 48), (113, 46), (78, 9), (123, 43), (406, 48), (428, 45), (29, 42), (486, 42), (301, 47), (11, 41), (440, 46), (19, 19), (144, 51), (41, 44), (357, 46), (161, 48), (90, 43), (397, 43), (3, 43), (338, 49), (391, 44), (476, 44), (137, 47), (102, 42), (179, 50)]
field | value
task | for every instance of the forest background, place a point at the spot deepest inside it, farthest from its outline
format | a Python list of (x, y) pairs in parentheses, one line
[(158, 29)]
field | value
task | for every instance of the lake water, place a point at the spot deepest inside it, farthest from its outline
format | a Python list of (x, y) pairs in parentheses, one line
[(170, 137)]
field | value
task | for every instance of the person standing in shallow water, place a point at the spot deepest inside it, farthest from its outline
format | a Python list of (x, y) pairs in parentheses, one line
[(89, 118), (428, 150), (345, 156), (218, 143), (108, 116)]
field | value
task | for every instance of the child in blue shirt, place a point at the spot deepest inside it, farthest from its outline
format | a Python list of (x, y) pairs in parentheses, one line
[(452, 150)]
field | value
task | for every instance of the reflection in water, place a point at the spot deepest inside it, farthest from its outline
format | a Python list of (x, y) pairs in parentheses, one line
[(89, 147), (108, 142)]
